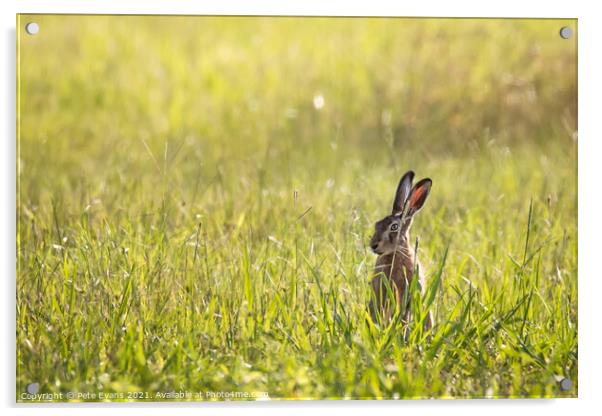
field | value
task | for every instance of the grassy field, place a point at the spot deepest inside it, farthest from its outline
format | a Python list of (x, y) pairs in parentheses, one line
[(196, 197)]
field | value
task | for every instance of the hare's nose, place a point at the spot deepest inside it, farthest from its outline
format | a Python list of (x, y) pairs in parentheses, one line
[(374, 246)]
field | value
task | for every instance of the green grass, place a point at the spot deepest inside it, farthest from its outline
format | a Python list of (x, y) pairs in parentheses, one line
[(187, 219)]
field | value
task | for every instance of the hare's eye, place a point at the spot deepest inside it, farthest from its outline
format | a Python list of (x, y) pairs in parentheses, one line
[(394, 226)]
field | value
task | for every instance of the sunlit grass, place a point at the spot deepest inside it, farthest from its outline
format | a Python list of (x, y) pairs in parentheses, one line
[(196, 196)]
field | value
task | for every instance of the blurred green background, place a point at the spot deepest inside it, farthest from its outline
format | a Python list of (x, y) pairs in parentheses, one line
[(195, 197)]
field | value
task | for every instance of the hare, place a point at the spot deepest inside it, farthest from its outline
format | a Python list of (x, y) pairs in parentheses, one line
[(396, 264)]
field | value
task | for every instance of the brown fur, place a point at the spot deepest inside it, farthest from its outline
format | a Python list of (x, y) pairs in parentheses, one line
[(396, 264), (396, 269)]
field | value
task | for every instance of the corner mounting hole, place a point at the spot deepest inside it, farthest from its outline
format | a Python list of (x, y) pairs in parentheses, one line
[(32, 28), (32, 388), (566, 32), (566, 384)]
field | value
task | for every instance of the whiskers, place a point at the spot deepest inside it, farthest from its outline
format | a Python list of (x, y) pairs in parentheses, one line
[(402, 254)]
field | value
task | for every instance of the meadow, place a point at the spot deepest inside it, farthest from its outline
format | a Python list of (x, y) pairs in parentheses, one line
[(196, 196)]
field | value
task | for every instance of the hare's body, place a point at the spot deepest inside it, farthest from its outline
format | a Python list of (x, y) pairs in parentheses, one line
[(396, 271), (396, 265)]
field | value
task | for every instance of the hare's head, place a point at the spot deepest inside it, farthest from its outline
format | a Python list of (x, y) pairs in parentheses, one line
[(392, 230)]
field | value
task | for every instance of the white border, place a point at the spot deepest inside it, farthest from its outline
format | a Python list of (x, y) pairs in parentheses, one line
[(590, 156), (508, 8)]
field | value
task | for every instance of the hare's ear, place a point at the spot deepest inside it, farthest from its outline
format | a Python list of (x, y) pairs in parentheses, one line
[(418, 196), (403, 191)]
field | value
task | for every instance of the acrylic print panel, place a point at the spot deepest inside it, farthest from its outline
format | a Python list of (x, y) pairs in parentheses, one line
[(254, 208)]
